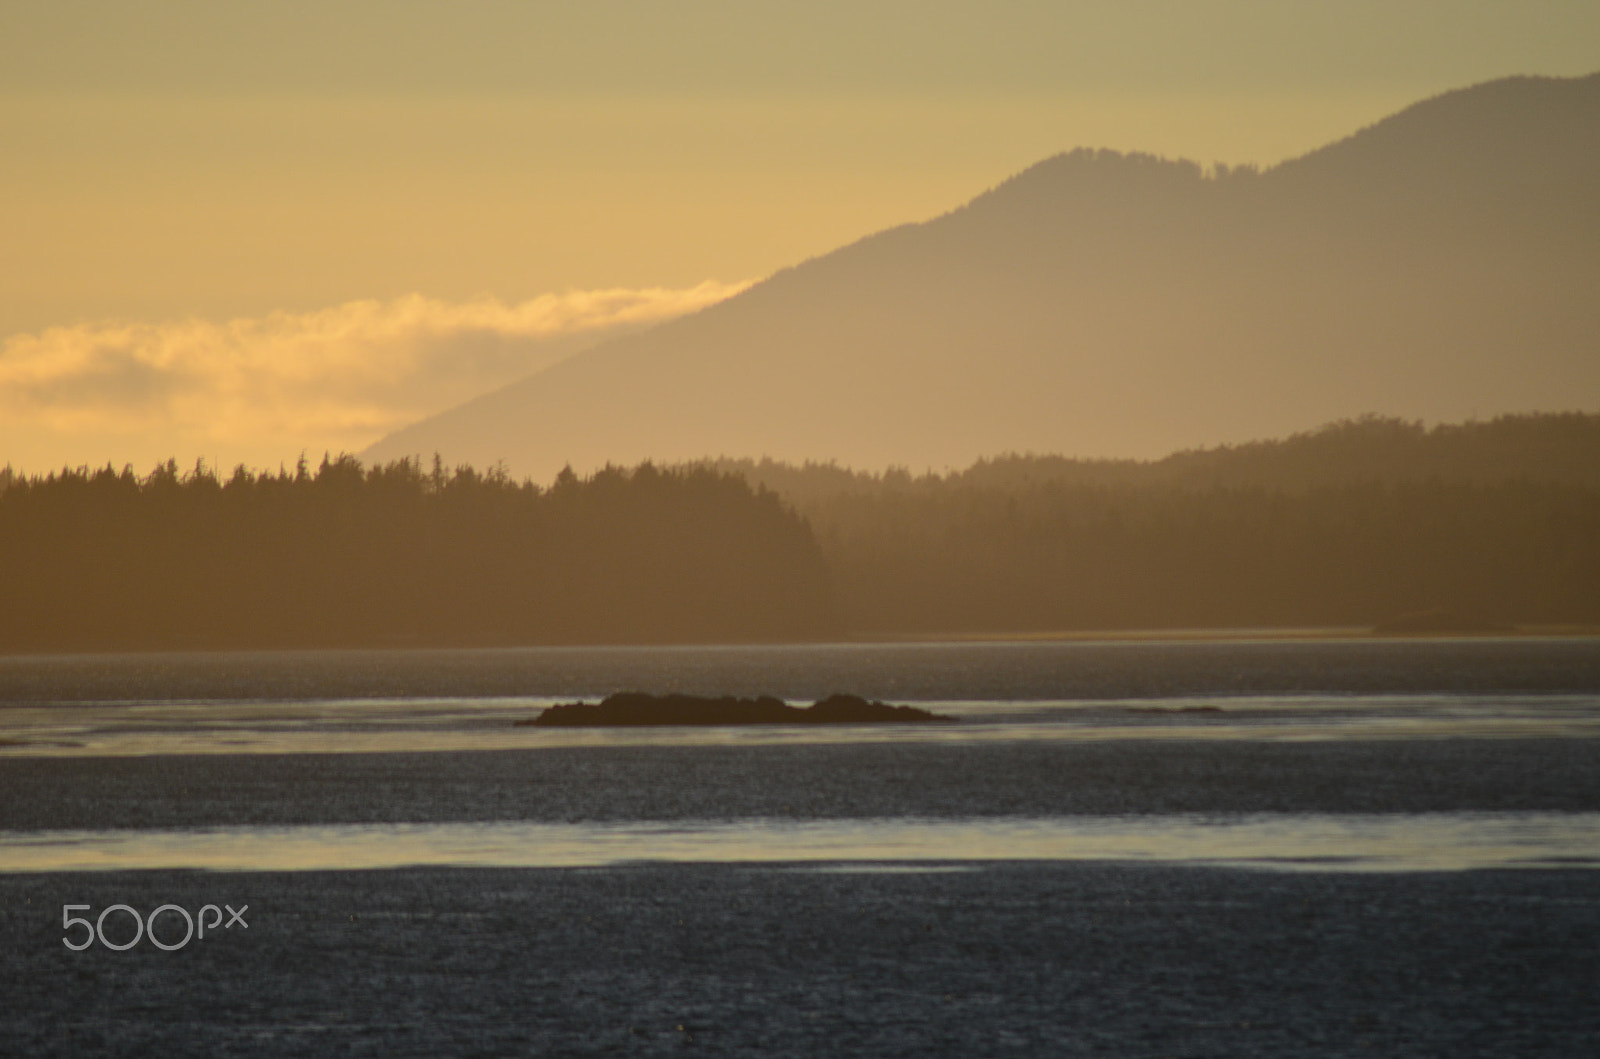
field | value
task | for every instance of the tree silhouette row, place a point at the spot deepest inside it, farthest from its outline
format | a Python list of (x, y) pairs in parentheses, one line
[(1353, 525), (396, 555)]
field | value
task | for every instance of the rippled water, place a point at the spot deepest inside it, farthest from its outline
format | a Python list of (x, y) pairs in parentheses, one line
[(983, 672), (1058, 873), (410, 725), (206, 707), (1319, 842)]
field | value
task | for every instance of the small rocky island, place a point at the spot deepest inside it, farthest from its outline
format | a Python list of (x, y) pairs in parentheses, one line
[(633, 708)]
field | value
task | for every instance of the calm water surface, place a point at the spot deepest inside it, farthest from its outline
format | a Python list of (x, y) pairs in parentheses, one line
[(1250, 692)]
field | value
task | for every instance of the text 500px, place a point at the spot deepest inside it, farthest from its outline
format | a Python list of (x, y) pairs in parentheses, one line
[(192, 926)]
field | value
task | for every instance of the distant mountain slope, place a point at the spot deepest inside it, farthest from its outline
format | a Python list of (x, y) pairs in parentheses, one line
[(1547, 449), (1442, 264)]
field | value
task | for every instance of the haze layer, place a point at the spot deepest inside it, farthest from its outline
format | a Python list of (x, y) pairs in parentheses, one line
[(1441, 264)]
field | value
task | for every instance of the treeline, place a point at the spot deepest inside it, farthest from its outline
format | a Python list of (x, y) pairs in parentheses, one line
[(1356, 524), (397, 555), (1556, 448), (956, 557)]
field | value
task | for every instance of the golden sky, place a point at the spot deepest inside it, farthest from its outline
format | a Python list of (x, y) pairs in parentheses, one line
[(259, 169)]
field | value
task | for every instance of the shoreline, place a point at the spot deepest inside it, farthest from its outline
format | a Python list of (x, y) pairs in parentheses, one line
[(1245, 634), (1310, 634)]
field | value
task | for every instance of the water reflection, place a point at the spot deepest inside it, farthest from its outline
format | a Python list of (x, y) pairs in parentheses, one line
[(413, 725), (1316, 842)]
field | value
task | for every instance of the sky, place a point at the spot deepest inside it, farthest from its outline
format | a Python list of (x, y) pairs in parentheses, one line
[(239, 231)]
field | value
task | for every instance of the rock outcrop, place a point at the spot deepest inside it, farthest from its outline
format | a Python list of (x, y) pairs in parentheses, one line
[(632, 709)]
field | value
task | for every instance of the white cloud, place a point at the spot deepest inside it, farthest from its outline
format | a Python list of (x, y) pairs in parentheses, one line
[(260, 390)]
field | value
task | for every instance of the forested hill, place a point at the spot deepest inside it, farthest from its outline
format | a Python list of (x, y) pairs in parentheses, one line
[(1371, 523), (394, 556), (1550, 448), (1477, 526)]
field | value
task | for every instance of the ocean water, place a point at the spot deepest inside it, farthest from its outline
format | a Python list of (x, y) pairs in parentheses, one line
[(1455, 709), (1288, 847), (1415, 842), (980, 672)]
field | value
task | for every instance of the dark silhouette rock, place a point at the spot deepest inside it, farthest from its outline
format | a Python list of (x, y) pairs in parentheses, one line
[(633, 708)]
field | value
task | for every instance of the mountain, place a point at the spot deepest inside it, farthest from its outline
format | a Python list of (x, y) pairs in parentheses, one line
[(1558, 450), (1443, 264)]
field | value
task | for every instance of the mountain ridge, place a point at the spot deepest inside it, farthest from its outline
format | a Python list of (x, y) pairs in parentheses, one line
[(1106, 304)]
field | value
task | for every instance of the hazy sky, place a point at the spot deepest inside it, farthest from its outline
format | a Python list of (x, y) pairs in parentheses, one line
[(253, 168)]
